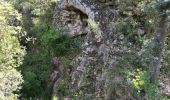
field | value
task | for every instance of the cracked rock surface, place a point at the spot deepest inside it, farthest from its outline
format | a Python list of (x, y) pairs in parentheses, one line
[(94, 66)]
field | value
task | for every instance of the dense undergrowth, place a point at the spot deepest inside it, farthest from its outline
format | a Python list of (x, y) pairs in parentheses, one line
[(38, 65), (42, 43)]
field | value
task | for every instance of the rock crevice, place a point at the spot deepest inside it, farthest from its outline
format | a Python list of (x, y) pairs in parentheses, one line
[(94, 66)]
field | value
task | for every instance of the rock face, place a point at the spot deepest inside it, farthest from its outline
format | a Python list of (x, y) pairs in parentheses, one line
[(73, 15), (96, 74)]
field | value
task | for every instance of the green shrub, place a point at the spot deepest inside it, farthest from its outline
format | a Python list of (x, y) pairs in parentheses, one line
[(38, 66), (60, 44), (141, 81)]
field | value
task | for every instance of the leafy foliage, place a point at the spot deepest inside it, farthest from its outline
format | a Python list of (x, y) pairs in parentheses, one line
[(141, 81), (11, 53), (37, 67)]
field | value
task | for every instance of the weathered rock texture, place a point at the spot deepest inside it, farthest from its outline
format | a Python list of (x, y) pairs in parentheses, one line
[(72, 15), (96, 73)]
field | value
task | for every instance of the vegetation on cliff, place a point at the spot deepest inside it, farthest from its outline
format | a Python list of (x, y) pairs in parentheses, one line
[(123, 54)]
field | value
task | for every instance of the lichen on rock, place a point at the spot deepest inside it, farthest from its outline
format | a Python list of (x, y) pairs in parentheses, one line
[(94, 66)]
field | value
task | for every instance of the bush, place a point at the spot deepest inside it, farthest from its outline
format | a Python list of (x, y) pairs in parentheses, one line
[(141, 82)]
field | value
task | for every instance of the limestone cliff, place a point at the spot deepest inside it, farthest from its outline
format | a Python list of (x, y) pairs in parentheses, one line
[(96, 73)]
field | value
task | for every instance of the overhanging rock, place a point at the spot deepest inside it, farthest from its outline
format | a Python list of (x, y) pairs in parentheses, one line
[(72, 16)]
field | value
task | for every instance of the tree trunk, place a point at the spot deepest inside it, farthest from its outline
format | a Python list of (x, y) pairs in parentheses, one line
[(159, 44)]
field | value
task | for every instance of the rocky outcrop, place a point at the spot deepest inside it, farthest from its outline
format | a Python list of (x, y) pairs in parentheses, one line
[(73, 16), (96, 72)]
